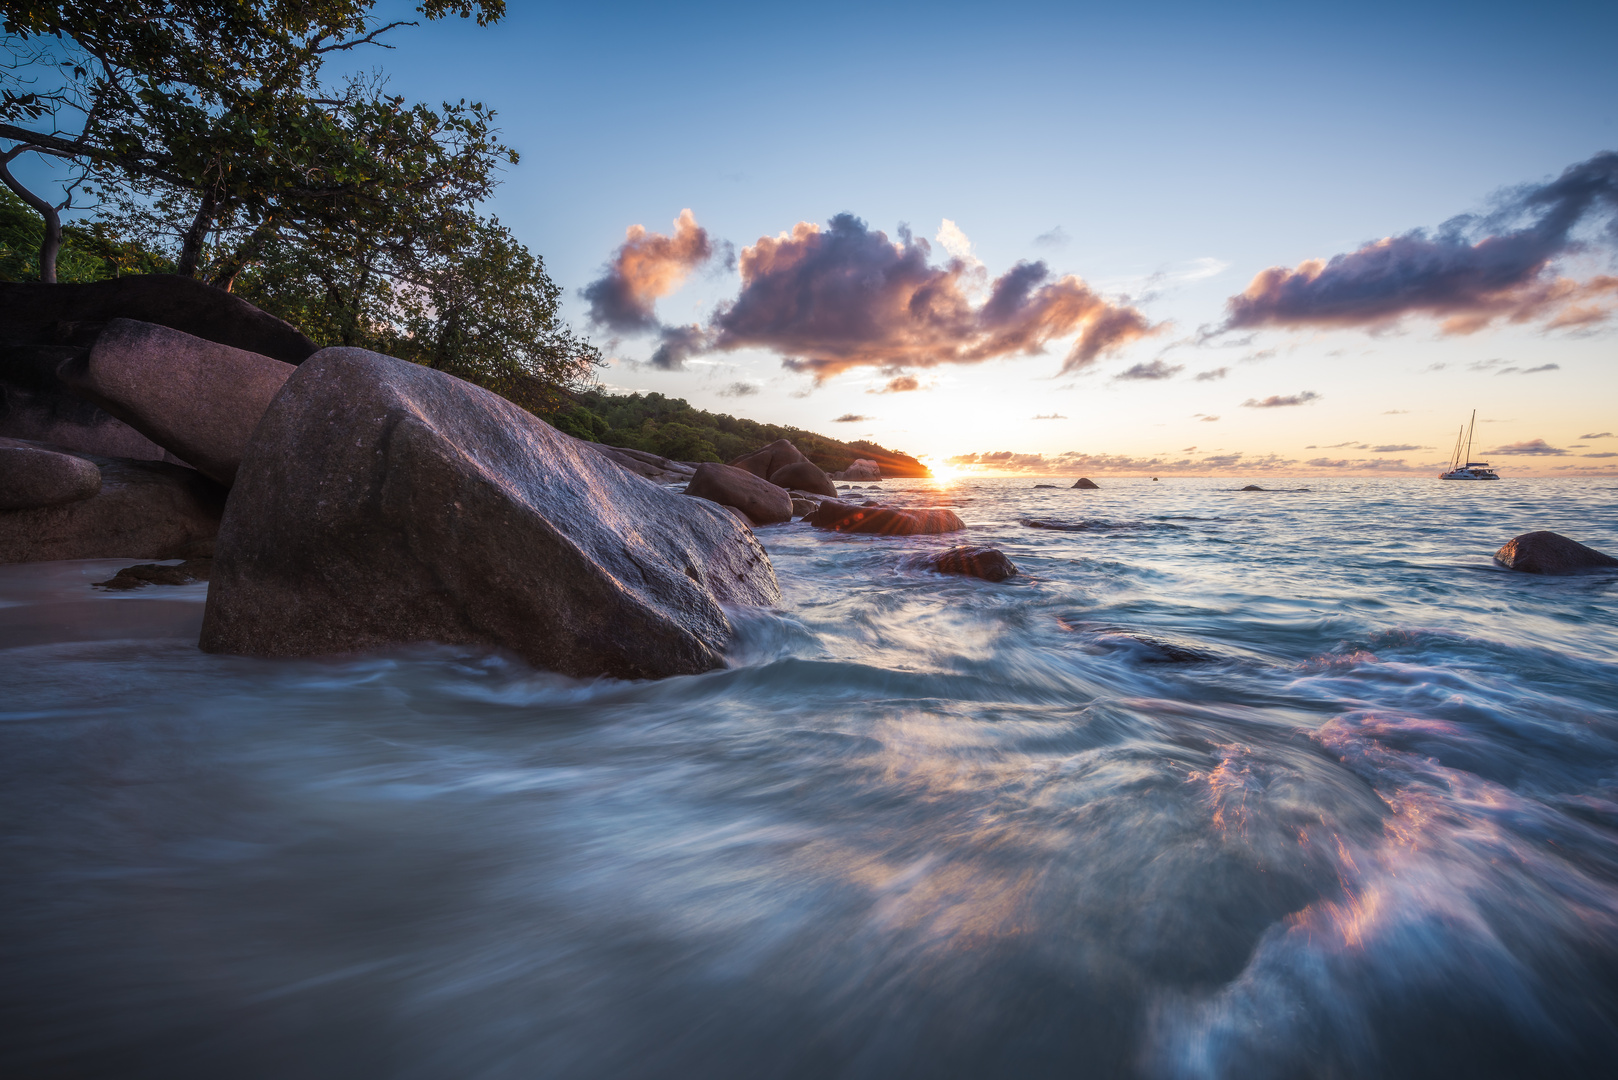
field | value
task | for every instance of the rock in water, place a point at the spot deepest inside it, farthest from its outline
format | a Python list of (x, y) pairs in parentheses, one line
[(32, 476), (973, 560), (884, 520), (143, 510), (760, 500), (380, 502), (1252, 487), (861, 469), (1086, 483), (805, 476), (198, 399), (764, 461), (1551, 553), (138, 577)]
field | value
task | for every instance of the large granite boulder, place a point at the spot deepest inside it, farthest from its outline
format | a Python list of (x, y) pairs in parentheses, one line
[(143, 510), (380, 502), (72, 314), (804, 476), (883, 520), (32, 476), (861, 469), (973, 560), (197, 398), (1551, 553), (1086, 484), (642, 463), (764, 461), (760, 500)]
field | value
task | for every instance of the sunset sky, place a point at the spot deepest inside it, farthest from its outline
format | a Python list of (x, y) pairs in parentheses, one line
[(1070, 238)]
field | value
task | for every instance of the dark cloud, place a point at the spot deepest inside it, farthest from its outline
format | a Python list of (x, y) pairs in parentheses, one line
[(739, 389), (842, 297), (676, 344), (1156, 369), (852, 418), (1276, 401), (1533, 447), (1055, 238), (1212, 374), (1469, 272), (1598, 435), (645, 267), (899, 384)]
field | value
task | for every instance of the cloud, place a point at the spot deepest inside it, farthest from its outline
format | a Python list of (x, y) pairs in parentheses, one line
[(1212, 374), (1469, 272), (646, 266), (739, 389), (676, 345), (1598, 435), (1156, 369), (852, 418), (953, 240), (1397, 412), (1275, 401), (1054, 238), (1205, 418), (1535, 447), (1542, 367), (1384, 464), (1050, 416), (899, 384), (1511, 369), (829, 300), (1605, 454), (1076, 462), (1396, 448)]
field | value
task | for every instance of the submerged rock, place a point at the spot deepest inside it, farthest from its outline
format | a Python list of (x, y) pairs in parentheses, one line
[(137, 577), (380, 502), (760, 500), (883, 520), (805, 476), (142, 510), (1551, 553), (32, 476), (1252, 487), (196, 398), (973, 560), (1087, 484), (1038, 486)]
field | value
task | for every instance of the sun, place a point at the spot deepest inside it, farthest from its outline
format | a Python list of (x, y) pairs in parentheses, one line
[(942, 472)]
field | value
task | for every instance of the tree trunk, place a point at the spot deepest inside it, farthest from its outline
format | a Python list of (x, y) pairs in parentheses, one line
[(191, 246), (51, 246)]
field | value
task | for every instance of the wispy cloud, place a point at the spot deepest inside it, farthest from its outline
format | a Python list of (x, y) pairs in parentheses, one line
[(899, 384), (1531, 447), (739, 389), (1153, 370), (1205, 418), (1604, 454), (852, 418), (1212, 374), (1053, 238), (1276, 401), (1471, 271), (1397, 448), (1598, 435), (1049, 416)]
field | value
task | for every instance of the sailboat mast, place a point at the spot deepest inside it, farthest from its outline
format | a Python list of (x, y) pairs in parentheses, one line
[(1469, 428)]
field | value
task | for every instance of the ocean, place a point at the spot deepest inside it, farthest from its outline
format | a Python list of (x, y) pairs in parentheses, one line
[(1292, 783)]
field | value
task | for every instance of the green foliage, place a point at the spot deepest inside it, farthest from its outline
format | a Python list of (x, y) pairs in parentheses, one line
[(673, 428), (90, 252)]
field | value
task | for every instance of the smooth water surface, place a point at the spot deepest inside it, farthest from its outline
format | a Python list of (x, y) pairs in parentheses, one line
[(1224, 784)]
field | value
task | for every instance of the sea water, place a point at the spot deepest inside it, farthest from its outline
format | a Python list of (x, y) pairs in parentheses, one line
[(1222, 784)]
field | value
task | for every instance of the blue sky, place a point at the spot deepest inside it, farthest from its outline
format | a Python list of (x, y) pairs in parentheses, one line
[(1167, 153)]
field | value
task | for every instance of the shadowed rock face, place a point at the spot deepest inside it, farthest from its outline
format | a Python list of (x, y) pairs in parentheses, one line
[(1551, 553), (143, 510), (883, 520), (805, 476), (764, 461), (196, 398), (974, 560), (1086, 483), (32, 476), (760, 500), (380, 502)]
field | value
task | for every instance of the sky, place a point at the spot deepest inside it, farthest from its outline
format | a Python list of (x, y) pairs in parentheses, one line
[(1066, 238)]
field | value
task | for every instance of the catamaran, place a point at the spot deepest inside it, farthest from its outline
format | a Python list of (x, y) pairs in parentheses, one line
[(1460, 468)]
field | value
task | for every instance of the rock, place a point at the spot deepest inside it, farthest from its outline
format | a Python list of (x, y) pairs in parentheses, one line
[(198, 399), (40, 313), (32, 476), (885, 520), (35, 405), (137, 577), (1252, 487), (803, 507), (760, 500), (805, 476), (642, 463), (144, 510), (1086, 483), (1551, 553), (764, 461), (861, 469), (380, 502), (973, 560), (1038, 486)]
